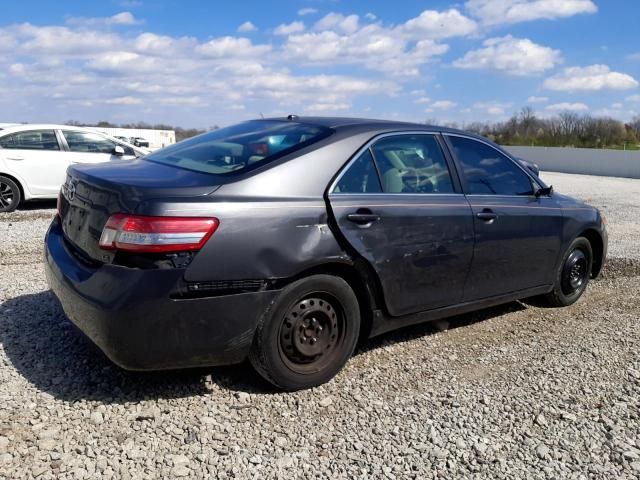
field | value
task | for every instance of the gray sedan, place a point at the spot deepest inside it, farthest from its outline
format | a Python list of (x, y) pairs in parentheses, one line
[(287, 240)]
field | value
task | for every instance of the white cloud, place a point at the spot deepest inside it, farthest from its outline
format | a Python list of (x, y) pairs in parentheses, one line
[(307, 11), (498, 109), (633, 98), (438, 25), (513, 56), (337, 39), (293, 27), (56, 40), (131, 68), (122, 61), (534, 99), (567, 107), (338, 22), (162, 45), (122, 18), (128, 100), (497, 12), (442, 105), (634, 57), (422, 100), (236, 47), (247, 27), (327, 107), (17, 69), (591, 78), (370, 16)]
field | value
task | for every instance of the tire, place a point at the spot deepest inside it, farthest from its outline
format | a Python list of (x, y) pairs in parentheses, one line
[(572, 276), (307, 334), (10, 195)]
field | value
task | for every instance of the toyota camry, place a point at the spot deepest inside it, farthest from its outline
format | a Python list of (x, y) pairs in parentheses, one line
[(286, 241)]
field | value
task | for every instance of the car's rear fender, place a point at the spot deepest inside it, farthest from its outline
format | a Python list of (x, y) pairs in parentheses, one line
[(258, 238)]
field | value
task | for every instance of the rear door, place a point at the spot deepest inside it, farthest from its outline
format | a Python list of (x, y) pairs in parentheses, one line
[(518, 235), (399, 206), (93, 147), (36, 157)]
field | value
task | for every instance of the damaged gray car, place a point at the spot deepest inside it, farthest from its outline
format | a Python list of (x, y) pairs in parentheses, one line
[(287, 240)]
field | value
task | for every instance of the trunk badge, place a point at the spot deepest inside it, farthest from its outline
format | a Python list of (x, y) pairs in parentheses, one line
[(71, 190)]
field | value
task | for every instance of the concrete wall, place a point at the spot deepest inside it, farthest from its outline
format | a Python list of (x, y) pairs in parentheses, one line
[(587, 161)]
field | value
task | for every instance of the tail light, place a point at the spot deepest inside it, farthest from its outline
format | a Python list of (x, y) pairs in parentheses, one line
[(142, 234)]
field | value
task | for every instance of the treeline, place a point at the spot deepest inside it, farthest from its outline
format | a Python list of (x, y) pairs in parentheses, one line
[(181, 133), (567, 129)]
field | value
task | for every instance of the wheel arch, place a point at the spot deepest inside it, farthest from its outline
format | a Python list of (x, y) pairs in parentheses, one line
[(23, 193), (597, 247), (361, 279)]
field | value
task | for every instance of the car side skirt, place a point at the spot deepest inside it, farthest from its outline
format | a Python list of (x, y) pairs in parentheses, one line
[(383, 323)]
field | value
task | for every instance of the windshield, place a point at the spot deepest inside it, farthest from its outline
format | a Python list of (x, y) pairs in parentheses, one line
[(239, 147)]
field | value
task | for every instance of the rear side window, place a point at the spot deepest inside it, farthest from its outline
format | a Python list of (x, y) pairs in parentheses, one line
[(239, 147), (31, 140), (487, 171), (360, 177), (412, 164)]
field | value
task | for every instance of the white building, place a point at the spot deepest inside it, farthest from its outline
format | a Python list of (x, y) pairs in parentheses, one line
[(157, 138)]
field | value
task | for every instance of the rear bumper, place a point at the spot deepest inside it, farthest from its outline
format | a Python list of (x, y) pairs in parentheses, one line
[(130, 315)]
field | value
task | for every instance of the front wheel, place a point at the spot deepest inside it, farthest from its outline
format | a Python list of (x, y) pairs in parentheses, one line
[(10, 196), (573, 275), (308, 334)]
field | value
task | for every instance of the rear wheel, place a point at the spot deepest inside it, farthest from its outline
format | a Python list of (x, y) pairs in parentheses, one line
[(10, 196), (308, 334), (573, 275)]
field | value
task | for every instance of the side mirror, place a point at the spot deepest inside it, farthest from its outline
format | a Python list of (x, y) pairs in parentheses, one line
[(118, 150), (544, 192), (535, 169)]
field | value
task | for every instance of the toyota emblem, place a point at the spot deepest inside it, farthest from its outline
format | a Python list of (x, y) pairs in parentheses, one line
[(71, 190)]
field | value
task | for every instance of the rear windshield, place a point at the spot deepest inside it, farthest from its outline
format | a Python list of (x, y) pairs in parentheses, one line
[(239, 147)]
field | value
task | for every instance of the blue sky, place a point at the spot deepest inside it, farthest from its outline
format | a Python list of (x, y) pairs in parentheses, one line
[(203, 63)]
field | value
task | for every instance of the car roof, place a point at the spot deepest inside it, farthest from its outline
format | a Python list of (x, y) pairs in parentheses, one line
[(340, 123), (45, 126)]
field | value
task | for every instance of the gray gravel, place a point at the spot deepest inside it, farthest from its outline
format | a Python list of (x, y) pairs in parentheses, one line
[(510, 392)]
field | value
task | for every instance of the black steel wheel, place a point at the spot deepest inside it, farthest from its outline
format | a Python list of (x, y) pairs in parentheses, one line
[(312, 334), (572, 276), (308, 333), (575, 272), (9, 195)]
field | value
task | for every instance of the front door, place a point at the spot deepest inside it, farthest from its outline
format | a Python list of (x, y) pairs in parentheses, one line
[(399, 208), (517, 234)]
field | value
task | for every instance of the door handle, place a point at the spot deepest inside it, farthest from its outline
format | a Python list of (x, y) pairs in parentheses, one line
[(487, 215), (363, 216), (17, 159)]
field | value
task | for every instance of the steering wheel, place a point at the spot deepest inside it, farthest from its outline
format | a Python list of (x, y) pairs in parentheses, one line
[(416, 181)]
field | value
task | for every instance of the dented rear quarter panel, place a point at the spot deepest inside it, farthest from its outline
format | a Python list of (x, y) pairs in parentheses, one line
[(266, 240)]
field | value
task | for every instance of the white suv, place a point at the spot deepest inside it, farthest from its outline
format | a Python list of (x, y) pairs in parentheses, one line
[(34, 158)]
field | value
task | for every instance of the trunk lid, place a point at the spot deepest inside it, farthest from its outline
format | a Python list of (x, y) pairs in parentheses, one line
[(92, 193)]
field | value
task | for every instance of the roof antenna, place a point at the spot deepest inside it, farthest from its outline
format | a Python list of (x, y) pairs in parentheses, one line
[(261, 116)]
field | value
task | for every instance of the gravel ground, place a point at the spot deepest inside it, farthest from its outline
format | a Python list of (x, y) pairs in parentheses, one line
[(510, 392)]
